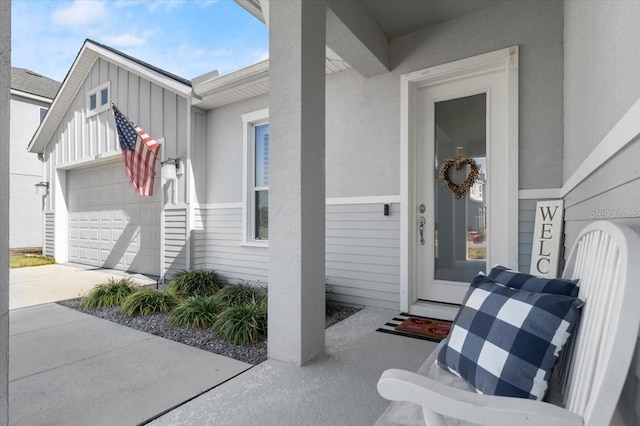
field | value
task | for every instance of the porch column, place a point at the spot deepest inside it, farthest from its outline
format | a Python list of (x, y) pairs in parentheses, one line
[(5, 90), (297, 180)]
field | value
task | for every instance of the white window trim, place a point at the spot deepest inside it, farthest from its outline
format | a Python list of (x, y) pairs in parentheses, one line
[(249, 121), (96, 91)]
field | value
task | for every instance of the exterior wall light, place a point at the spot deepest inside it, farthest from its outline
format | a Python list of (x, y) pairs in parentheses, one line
[(42, 188), (172, 168)]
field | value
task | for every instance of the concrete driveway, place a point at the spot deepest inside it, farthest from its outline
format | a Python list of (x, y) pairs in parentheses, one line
[(70, 368), (51, 283)]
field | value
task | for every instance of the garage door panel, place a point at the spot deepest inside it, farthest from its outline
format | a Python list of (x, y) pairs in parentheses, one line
[(94, 254), (117, 216), (110, 224), (105, 234)]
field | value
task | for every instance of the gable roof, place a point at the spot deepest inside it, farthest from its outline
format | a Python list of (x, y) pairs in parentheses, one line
[(33, 83), (88, 54)]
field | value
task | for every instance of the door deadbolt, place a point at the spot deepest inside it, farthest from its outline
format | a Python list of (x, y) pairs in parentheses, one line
[(422, 208)]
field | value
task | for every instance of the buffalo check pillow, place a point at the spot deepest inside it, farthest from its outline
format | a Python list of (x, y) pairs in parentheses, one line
[(505, 341), (522, 281)]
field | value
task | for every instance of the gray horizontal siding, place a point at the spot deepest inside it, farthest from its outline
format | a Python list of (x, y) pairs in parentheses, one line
[(217, 245), (175, 241), (612, 193), (363, 254), (362, 251), (48, 243), (526, 222)]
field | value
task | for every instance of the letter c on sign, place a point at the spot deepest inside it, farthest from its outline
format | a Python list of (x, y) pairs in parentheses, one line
[(538, 265)]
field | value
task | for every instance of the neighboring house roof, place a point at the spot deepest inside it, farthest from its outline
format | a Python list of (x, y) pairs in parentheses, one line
[(76, 76), (33, 83)]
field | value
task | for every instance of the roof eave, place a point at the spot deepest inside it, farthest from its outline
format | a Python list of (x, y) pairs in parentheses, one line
[(33, 96), (237, 78)]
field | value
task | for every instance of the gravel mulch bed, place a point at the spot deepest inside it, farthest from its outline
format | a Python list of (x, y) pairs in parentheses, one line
[(204, 339)]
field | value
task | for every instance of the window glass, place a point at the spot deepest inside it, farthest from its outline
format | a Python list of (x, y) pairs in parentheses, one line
[(104, 96), (261, 182), (93, 101), (261, 215), (262, 156)]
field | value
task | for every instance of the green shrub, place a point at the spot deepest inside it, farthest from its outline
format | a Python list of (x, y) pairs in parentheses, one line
[(196, 311), (109, 294), (148, 301), (238, 294), (198, 282), (243, 324)]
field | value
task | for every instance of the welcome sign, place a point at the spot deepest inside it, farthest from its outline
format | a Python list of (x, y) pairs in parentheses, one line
[(547, 236)]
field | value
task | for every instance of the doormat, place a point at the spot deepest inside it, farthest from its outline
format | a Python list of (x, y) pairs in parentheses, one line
[(417, 327)]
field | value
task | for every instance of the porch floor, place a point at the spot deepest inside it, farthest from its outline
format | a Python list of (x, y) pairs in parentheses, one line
[(337, 389)]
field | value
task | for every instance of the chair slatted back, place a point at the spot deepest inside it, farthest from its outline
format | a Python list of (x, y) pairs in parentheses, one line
[(606, 259)]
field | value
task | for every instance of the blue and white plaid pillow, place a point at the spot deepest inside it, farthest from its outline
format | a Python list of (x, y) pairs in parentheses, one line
[(522, 281), (505, 341)]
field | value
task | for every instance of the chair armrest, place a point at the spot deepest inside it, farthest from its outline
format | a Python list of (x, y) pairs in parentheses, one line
[(489, 410)]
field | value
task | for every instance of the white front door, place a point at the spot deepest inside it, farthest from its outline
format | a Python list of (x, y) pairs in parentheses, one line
[(465, 112)]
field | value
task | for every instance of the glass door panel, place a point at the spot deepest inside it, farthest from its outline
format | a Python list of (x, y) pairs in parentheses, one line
[(460, 243)]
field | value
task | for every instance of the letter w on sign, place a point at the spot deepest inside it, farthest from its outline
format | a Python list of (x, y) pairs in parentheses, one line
[(547, 237)]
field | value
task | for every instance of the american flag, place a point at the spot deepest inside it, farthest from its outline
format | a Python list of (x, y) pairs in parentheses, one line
[(140, 163)]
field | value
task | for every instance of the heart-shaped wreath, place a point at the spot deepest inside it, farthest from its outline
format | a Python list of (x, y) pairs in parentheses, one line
[(459, 162)]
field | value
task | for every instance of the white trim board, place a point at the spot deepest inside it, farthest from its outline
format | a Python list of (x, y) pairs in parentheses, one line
[(540, 194), (215, 206), (374, 199), (97, 159)]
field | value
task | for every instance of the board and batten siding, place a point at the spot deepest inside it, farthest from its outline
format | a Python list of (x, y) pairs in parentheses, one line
[(80, 139), (175, 240), (49, 234)]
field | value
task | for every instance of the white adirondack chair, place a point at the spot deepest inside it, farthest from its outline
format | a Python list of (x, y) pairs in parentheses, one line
[(589, 379)]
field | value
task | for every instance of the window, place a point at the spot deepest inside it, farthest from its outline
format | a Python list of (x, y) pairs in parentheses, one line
[(98, 99), (256, 178), (43, 113), (261, 182)]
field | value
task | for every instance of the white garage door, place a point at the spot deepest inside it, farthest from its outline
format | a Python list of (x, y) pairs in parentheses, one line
[(110, 225)]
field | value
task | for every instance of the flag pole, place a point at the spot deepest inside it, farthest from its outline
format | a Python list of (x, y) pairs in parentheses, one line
[(113, 106)]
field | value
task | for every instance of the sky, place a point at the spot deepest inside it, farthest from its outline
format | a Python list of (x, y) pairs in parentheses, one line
[(185, 37)]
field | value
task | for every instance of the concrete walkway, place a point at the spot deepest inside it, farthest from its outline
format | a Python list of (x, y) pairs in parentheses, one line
[(339, 389), (69, 368)]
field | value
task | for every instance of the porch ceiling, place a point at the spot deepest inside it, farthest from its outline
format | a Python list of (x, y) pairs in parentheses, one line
[(386, 19), (400, 17)]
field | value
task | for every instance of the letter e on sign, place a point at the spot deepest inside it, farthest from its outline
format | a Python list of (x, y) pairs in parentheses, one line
[(547, 236)]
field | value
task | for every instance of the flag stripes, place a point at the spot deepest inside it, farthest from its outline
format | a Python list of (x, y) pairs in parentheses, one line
[(139, 158)]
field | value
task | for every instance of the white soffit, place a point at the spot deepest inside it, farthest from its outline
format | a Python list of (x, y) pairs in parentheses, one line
[(247, 83)]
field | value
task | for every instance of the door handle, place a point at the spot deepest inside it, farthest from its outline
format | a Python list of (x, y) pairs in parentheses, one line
[(422, 221)]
